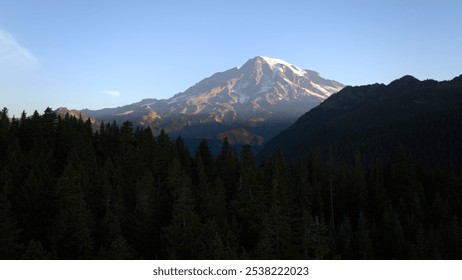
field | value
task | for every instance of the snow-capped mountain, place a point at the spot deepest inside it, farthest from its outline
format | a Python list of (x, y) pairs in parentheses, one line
[(263, 96), (263, 87)]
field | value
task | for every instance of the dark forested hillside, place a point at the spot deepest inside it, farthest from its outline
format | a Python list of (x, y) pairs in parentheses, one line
[(67, 192), (422, 116)]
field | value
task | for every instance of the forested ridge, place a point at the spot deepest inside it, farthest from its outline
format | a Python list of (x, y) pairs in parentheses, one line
[(422, 116), (68, 191)]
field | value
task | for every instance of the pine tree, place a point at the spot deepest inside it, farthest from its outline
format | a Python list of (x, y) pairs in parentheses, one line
[(228, 168), (109, 206), (33, 203), (203, 151), (391, 236), (35, 251), (363, 242), (4, 132), (317, 240), (421, 246), (407, 187), (118, 249), (301, 204), (315, 171), (249, 180), (359, 196), (202, 190), (183, 154), (345, 239), (279, 208), (72, 236), (143, 228), (182, 236), (9, 233), (216, 248)]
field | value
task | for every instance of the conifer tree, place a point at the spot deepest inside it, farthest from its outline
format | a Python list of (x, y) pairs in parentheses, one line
[(182, 236), (203, 151), (4, 132), (10, 247), (143, 227), (345, 239), (72, 236), (249, 172), (358, 190), (35, 251), (363, 243), (228, 166)]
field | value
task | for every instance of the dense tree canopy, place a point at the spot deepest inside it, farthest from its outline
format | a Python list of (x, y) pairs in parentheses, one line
[(70, 191)]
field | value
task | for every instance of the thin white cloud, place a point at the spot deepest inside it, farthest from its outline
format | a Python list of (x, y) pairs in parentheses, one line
[(114, 93), (13, 56)]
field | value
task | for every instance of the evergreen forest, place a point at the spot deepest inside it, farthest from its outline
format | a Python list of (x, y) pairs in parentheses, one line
[(70, 191)]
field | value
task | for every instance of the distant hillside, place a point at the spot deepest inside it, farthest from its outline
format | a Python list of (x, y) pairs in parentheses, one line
[(241, 136), (424, 117), (63, 111)]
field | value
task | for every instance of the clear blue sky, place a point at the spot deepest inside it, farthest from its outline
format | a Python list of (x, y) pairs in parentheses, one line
[(100, 53)]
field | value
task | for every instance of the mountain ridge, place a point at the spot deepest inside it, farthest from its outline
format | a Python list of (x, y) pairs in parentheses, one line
[(369, 114)]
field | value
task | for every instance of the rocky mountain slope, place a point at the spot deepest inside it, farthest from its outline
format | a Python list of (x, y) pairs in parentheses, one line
[(262, 97)]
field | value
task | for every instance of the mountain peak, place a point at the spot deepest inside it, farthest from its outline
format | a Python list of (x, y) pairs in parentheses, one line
[(277, 64), (262, 82), (457, 79), (404, 81)]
